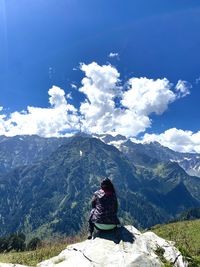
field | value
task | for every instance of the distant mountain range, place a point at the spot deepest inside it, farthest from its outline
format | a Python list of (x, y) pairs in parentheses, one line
[(190, 162), (46, 184)]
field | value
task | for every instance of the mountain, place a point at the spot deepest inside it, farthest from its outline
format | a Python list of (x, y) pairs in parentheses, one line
[(191, 214), (153, 151), (24, 150), (51, 192), (156, 165), (159, 167), (54, 194), (190, 162)]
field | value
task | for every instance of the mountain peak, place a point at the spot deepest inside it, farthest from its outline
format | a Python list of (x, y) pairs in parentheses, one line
[(107, 138)]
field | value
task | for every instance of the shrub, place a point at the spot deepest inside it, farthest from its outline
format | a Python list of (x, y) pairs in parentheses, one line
[(34, 243)]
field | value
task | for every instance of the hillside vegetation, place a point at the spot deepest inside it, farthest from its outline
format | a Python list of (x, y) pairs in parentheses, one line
[(186, 235), (51, 181), (46, 250)]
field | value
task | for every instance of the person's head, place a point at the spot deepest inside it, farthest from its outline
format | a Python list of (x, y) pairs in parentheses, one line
[(107, 185)]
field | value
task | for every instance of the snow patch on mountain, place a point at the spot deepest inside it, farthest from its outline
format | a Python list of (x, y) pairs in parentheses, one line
[(117, 144)]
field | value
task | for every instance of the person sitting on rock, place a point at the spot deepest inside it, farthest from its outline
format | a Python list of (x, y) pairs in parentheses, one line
[(103, 215)]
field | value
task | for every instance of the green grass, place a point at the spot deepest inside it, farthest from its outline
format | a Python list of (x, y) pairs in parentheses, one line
[(46, 251), (160, 253), (31, 258), (186, 235)]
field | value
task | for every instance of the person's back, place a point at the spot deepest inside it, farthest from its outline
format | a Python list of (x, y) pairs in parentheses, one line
[(104, 208)]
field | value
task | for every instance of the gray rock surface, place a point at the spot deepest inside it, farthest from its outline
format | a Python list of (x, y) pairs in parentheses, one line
[(126, 247)]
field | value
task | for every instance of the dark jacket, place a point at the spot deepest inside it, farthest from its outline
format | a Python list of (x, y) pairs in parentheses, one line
[(104, 208)]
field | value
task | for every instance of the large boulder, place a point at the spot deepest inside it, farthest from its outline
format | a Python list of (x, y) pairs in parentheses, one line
[(125, 247)]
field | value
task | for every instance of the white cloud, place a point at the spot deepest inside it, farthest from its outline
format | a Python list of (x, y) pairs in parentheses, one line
[(176, 139), (74, 86), (59, 118), (2, 124), (69, 96), (99, 112), (146, 96), (112, 55), (132, 116), (128, 123), (197, 80), (100, 88), (182, 88), (57, 97)]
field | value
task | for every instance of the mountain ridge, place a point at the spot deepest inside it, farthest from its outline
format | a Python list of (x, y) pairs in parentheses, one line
[(53, 194)]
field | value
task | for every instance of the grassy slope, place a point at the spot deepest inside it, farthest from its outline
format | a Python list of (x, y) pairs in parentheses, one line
[(31, 258), (186, 235), (46, 251)]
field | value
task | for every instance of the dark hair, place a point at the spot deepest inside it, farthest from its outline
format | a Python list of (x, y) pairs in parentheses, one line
[(107, 184)]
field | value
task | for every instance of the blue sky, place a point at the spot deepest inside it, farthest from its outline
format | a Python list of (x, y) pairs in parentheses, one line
[(42, 44)]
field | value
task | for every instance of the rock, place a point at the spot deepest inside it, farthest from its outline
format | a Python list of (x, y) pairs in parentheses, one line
[(125, 247)]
